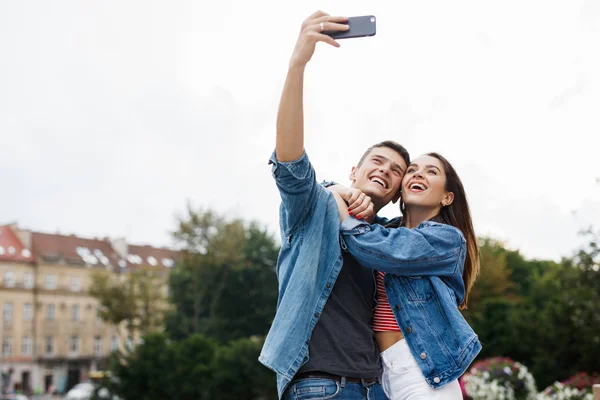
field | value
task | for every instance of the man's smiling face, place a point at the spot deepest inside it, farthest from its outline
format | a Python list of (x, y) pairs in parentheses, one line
[(380, 176)]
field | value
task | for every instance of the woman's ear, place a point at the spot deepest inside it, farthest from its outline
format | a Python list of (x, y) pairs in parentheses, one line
[(447, 199)]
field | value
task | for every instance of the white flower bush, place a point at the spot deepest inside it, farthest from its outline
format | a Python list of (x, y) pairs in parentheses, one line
[(559, 391), (499, 378), (577, 387)]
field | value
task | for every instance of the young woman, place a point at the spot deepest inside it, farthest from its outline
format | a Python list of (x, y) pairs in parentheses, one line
[(424, 278)]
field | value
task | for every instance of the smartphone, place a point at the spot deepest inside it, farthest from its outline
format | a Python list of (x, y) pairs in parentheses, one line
[(359, 27)]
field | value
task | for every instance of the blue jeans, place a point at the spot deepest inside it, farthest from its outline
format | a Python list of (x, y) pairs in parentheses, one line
[(322, 389)]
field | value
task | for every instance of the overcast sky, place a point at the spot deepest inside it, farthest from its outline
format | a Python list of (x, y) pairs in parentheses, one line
[(115, 114)]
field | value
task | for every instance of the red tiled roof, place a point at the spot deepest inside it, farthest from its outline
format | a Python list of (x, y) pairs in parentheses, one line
[(11, 248), (139, 256), (73, 249)]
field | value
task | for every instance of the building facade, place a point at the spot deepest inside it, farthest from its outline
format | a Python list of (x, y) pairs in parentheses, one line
[(52, 335)]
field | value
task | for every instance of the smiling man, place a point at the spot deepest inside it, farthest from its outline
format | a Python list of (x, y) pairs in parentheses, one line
[(321, 342)]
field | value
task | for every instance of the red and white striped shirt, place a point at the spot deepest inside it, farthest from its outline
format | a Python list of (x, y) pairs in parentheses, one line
[(383, 317)]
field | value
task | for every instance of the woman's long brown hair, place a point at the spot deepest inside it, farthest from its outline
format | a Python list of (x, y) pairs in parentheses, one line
[(458, 215)]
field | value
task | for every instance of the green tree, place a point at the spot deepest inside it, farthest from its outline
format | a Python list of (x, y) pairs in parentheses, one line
[(236, 373), (161, 369), (493, 281), (501, 309), (134, 299), (195, 368), (564, 310), (226, 286)]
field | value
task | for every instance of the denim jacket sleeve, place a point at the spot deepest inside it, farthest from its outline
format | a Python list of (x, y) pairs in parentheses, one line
[(430, 249), (296, 181)]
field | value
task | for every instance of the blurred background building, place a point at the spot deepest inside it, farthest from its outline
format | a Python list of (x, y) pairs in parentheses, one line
[(51, 333)]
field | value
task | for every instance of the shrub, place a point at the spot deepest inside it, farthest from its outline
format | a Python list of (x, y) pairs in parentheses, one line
[(499, 378), (577, 387)]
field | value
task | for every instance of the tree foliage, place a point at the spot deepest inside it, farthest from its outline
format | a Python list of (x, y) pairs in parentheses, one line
[(134, 299), (548, 318), (225, 287), (194, 368)]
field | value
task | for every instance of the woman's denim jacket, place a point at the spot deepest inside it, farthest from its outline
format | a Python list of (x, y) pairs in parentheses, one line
[(424, 286)]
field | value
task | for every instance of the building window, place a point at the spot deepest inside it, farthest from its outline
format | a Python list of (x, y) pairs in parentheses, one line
[(98, 346), (9, 279), (50, 312), (114, 343), (7, 346), (28, 280), (49, 345), (75, 284), (98, 315), (7, 314), (75, 312), (51, 282), (74, 347), (26, 346), (27, 312)]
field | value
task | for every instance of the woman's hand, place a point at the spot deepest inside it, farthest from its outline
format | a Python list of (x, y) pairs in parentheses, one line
[(342, 207), (357, 203)]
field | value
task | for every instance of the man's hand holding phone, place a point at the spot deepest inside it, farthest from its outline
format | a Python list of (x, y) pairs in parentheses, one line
[(312, 31)]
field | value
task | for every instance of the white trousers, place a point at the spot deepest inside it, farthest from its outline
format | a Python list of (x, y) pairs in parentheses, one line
[(403, 380)]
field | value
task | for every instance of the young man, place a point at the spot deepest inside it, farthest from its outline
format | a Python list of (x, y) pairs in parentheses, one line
[(325, 298)]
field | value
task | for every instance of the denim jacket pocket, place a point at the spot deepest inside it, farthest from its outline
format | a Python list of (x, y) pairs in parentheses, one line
[(419, 289)]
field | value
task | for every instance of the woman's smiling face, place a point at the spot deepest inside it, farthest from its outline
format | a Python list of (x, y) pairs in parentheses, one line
[(424, 184)]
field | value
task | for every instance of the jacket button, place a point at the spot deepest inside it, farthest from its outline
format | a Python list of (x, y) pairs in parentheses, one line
[(423, 356), (397, 306), (436, 379), (317, 314), (341, 257), (328, 285), (307, 342), (408, 329)]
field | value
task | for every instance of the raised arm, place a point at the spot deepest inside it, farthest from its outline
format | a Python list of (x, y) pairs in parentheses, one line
[(290, 117)]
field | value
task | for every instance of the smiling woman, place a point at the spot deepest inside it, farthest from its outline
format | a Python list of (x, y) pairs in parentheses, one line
[(426, 268)]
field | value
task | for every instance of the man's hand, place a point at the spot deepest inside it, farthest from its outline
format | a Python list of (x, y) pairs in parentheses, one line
[(312, 32), (358, 203), (289, 144)]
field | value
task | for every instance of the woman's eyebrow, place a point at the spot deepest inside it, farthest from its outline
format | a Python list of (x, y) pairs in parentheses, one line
[(433, 166)]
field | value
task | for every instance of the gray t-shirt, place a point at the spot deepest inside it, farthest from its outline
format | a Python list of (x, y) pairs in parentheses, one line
[(343, 342)]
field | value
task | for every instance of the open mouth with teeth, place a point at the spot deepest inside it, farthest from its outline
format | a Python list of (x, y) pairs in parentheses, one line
[(417, 187), (380, 182)]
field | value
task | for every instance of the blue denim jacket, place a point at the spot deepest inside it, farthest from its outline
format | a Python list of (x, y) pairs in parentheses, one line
[(424, 286), (309, 262)]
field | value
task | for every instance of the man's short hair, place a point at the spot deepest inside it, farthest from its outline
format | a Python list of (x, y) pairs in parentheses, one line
[(397, 147)]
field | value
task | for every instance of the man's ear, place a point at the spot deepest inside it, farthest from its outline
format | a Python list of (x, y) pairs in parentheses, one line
[(397, 197), (352, 176)]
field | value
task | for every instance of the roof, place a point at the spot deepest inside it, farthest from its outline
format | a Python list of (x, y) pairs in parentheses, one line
[(73, 249), (151, 256), (99, 252), (11, 247)]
